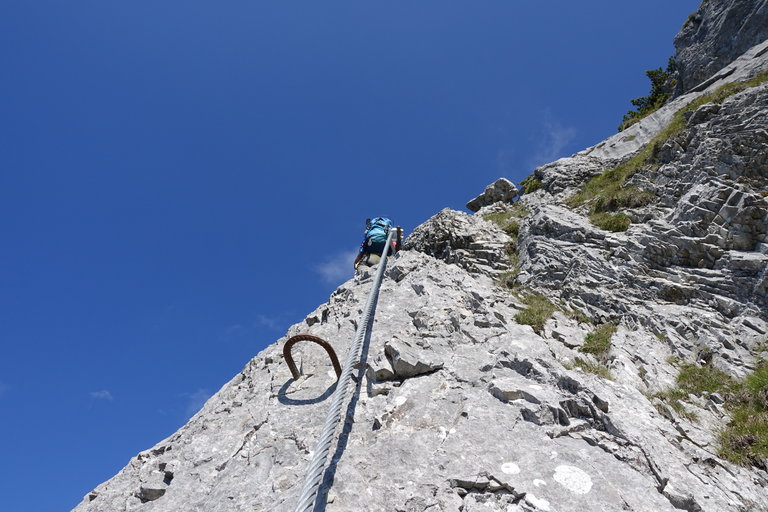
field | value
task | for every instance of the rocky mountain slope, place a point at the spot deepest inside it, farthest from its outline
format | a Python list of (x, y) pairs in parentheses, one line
[(715, 35), (522, 358)]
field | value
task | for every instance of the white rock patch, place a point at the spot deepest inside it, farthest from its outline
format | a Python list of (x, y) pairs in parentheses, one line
[(538, 503), (510, 468), (400, 400), (573, 479), (539, 483)]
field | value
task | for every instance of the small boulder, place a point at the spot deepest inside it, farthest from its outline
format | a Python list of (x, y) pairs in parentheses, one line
[(500, 190), (408, 361)]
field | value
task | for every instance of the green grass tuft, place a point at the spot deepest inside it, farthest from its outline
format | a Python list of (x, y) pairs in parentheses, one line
[(702, 380), (579, 316), (610, 222), (512, 228), (539, 310), (505, 219), (745, 439), (530, 184), (693, 379), (697, 380), (598, 369), (598, 342)]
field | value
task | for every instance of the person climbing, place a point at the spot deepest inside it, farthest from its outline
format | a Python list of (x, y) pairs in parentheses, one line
[(376, 233)]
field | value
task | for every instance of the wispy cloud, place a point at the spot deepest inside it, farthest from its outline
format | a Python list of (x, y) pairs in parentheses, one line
[(270, 322), (552, 140), (196, 401), (337, 268), (232, 329), (101, 395)]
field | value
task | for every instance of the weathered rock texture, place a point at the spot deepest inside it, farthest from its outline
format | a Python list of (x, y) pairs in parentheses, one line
[(501, 190), (715, 35), (461, 408)]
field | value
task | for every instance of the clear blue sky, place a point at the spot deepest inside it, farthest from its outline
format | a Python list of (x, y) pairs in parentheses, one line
[(182, 180)]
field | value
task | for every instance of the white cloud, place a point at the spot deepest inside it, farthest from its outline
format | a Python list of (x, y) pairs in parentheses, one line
[(270, 322), (196, 400), (553, 139), (101, 395), (337, 268), (234, 328)]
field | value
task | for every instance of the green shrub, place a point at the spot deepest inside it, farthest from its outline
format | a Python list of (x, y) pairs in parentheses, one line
[(610, 222), (539, 310), (598, 342), (530, 184), (662, 86)]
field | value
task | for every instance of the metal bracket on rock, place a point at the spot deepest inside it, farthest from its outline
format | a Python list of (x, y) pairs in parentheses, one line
[(308, 337)]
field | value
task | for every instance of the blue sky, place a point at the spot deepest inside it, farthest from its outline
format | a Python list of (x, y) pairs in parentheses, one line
[(180, 181)]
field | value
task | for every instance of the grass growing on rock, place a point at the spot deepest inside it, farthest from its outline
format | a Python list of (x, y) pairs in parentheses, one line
[(608, 191), (598, 342), (598, 369), (505, 218), (745, 439), (611, 222), (579, 316), (539, 310), (509, 222), (530, 184), (693, 379)]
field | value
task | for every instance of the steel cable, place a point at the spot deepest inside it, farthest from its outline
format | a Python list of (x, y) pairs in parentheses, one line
[(317, 466)]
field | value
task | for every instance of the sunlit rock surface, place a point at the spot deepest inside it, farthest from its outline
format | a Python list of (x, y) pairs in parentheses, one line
[(715, 35), (460, 407)]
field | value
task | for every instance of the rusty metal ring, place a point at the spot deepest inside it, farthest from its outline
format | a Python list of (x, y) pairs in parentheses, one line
[(308, 337)]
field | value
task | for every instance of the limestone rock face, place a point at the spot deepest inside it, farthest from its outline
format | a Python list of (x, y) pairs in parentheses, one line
[(461, 406), (715, 35), (568, 173), (468, 241), (500, 190), (474, 412)]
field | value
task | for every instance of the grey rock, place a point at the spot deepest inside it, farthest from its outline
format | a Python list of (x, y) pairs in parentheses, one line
[(468, 241), (408, 361), (715, 35), (567, 173), (501, 190), (460, 408), (632, 139), (501, 424)]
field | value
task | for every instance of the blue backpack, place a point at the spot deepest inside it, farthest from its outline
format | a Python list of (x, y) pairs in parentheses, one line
[(376, 233)]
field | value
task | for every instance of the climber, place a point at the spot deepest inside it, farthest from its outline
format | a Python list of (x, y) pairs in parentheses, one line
[(376, 232)]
